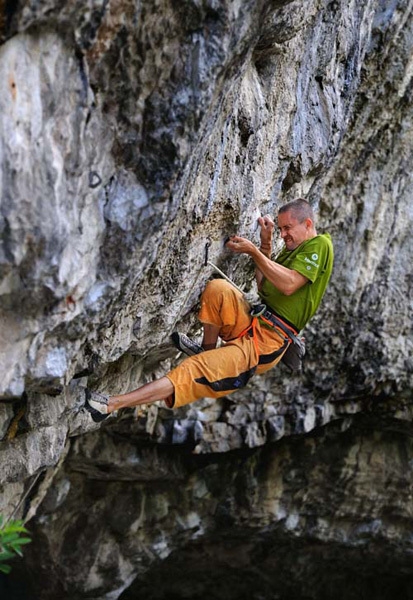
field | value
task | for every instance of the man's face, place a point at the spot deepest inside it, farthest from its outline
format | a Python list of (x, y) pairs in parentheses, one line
[(291, 230)]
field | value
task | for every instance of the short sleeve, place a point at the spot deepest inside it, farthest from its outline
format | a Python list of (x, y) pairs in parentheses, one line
[(311, 259)]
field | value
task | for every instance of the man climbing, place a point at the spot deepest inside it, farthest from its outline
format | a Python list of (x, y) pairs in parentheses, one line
[(291, 287)]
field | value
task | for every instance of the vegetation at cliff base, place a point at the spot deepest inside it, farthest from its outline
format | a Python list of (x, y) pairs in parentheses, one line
[(12, 537)]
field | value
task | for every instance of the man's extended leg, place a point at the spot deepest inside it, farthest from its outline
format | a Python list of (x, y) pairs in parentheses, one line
[(224, 313), (148, 393)]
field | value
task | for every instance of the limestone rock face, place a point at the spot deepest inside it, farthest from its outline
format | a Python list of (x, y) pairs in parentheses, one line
[(134, 137)]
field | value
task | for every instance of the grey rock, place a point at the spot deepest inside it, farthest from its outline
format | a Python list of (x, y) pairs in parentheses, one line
[(6, 415), (31, 452), (133, 134)]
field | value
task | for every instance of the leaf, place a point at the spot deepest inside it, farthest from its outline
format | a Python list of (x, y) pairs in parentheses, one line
[(22, 541), (5, 555), (8, 538), (14, 527), (5, 569)]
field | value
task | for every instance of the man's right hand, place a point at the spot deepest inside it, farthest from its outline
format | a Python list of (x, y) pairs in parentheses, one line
[(267, 227)]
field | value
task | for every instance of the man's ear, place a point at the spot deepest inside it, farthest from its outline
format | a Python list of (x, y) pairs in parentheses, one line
[(309, 223)]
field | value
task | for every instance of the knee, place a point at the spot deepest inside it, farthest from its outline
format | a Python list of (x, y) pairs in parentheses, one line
[(217, 286)]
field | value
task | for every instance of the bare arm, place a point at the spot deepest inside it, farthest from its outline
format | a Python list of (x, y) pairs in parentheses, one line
[(287, 281)]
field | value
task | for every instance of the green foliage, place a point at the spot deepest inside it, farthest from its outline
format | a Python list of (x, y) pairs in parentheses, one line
[(11, 540)]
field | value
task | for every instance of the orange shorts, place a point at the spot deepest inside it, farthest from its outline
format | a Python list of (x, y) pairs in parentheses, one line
[(219, 372)]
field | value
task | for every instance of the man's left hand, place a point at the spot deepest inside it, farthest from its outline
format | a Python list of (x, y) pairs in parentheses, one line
[(240, 245)]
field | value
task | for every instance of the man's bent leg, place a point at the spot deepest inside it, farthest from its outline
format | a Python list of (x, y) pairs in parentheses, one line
[(224, 313), (224, 309), (211, 333)]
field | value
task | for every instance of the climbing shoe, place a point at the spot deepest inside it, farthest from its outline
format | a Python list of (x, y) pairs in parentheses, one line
[(97, 405), (184, 344)]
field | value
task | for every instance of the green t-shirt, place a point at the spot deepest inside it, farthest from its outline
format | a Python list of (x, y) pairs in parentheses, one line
[(313, 259)]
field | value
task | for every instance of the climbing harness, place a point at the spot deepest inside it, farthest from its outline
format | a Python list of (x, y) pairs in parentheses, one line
[(271, 318), (295, 352)]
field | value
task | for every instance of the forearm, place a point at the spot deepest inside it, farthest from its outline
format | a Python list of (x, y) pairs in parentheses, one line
[(285, 280), (265, 249)]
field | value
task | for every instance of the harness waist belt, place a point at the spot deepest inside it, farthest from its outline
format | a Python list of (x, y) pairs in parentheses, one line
[(283, 320), (280, 324), (261, 310)]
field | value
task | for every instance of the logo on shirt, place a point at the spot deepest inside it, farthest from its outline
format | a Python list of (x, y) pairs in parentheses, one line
[(314, 256), (307, 260)]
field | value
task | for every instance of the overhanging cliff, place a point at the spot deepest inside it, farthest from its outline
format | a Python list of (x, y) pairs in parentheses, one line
[(134, 133)]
